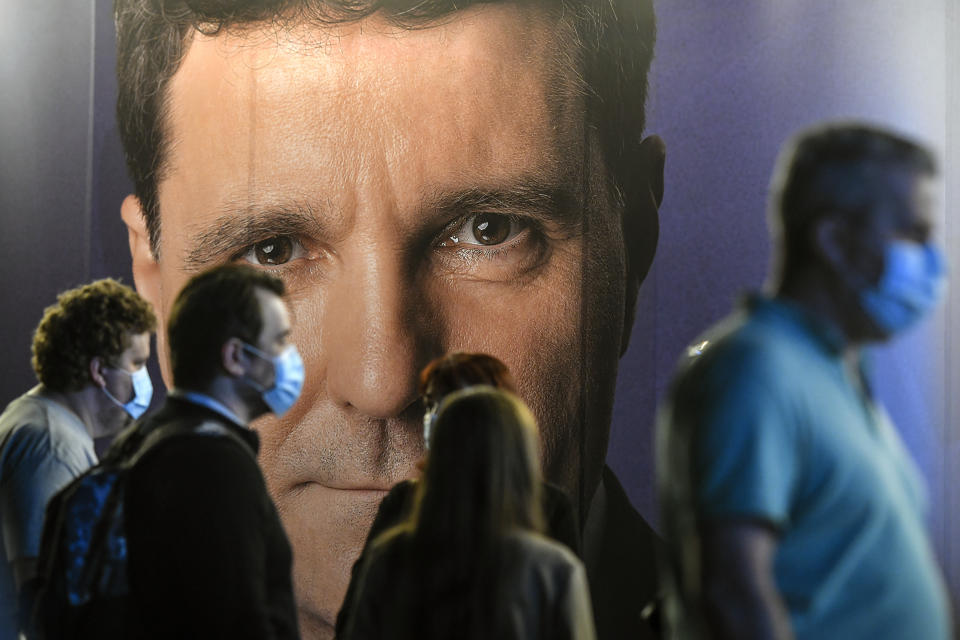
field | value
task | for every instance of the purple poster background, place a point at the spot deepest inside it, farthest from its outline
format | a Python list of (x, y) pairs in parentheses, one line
[(730, 82)]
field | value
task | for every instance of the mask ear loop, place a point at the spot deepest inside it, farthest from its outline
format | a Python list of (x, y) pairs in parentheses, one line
[(259, 388), (131, 407), (122, 405)]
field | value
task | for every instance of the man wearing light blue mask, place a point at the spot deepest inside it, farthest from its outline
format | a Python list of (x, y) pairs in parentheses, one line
[(792, 506), (89, 352), (142, 389), (207, 555), (287, 378)]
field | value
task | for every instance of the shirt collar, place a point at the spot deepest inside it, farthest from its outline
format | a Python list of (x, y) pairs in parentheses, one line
[(204, 400), (826, 334)]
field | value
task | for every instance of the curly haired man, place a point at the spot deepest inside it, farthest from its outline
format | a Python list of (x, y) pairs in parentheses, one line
[(89, 352)]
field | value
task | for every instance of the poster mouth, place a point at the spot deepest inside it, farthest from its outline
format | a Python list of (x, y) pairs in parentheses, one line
[(361, 487)]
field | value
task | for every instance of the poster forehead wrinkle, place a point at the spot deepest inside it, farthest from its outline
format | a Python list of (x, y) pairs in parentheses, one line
[(388, 110)]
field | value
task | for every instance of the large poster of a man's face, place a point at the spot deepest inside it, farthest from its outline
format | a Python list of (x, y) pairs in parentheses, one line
[(425, 177), (432, 176)]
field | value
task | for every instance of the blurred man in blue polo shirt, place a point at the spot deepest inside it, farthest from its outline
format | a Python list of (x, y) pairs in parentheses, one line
[(791, 504)]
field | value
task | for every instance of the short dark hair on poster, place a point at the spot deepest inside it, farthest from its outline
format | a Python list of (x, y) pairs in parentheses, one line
[(612, 41)]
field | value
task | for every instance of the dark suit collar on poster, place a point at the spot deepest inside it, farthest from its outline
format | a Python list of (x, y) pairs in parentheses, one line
[(620, 551)]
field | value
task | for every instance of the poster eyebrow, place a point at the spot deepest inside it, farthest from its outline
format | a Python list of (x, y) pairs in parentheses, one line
[(550, 203), (237, 228)]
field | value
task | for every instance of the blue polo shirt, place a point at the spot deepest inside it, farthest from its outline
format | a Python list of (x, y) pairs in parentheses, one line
[(766, 422)]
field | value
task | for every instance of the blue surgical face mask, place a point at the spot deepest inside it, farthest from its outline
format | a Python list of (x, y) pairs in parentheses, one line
[(913, 280), (142, 392), (287, 379)]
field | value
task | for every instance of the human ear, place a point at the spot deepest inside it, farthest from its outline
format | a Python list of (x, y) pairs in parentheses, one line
[(854, 251), (828, 244), (146, 270), (233, 358), (95, 369), (641, 223)]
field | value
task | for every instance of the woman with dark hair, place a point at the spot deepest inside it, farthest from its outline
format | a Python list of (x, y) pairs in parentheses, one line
[(441, 377), (471, 561)]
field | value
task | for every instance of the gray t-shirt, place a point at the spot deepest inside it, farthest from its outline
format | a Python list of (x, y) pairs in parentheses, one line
[(43, 446)]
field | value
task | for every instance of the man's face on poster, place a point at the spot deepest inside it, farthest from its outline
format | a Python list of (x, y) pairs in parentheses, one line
[(420, 192)]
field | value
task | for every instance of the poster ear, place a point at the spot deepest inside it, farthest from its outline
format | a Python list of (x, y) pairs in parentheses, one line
[(146, 271), (641, 223)]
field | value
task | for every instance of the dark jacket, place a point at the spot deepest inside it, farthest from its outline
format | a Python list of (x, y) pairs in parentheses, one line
[(542, 596), (395, 507), (208, 557)]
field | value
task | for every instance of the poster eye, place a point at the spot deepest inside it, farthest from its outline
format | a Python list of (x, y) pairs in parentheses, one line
[(273, 251), (485, 230)]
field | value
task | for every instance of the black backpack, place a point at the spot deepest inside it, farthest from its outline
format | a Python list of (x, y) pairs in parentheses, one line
[(82, 566)]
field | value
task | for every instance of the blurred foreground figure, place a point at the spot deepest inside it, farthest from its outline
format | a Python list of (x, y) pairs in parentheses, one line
[(470, 562), (89, 354), (443, 376), (791, 503)]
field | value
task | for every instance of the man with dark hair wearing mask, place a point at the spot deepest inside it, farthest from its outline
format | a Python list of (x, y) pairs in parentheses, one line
[(89, 354), (426, 177), (792, 506), (208, 557)]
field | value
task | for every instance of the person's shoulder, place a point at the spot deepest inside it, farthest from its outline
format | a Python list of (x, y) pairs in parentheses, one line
[(24, 439), (740, 337), (27, 413), (394, 507), (738, 355), (400, 493), (178, 410), (390, 546), (205, 476), (192, 448), (541, 549), (31, 427), (538, 566), (763, 331), (203, 440)]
